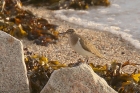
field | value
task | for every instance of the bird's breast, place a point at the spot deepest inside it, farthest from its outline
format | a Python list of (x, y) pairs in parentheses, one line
[(79, 49)]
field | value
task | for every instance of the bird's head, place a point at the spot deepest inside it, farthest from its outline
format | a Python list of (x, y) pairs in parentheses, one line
[(70, 31)]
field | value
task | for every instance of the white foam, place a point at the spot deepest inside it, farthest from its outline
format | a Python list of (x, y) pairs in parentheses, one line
[(121, 18)]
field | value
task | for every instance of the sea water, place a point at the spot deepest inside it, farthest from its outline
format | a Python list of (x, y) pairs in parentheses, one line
[(122, 17)]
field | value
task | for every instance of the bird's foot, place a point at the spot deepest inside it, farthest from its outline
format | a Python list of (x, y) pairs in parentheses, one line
[(86, 61)]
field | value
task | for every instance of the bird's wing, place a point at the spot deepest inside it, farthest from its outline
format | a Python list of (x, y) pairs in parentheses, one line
[(90, 47)]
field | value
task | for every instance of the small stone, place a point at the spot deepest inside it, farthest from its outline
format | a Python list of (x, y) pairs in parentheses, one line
[(122, 53)]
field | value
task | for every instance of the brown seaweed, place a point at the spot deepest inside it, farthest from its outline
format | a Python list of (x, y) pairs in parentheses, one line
[(69, 4), (39, 69), (22, 23)]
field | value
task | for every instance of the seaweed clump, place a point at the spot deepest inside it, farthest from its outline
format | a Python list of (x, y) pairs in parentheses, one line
[(22, 23), (39, 69), (117, 79), (68, 4)]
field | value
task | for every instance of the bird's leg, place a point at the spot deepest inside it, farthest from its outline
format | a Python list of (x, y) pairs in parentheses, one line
[(86, 59)]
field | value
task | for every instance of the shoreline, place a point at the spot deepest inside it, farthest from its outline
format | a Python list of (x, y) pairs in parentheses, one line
[(113, 47)]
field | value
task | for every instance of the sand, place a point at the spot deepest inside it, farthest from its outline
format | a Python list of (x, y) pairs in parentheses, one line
[(111, 46)]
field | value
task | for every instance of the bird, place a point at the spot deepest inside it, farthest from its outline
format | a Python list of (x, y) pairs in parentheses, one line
[(81, 45)]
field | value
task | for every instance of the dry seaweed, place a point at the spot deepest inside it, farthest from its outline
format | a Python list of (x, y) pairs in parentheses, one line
[(39, 69), (22, 23), (67, 4), (120, 81)]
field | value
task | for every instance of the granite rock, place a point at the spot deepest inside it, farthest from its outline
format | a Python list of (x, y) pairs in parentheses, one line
[(79, 79), (13, 74)]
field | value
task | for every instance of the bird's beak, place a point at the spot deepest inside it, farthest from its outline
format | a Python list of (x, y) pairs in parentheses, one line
[(63, 34)]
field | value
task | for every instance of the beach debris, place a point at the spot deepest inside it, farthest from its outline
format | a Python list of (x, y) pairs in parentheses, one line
[(117, 79), (100, 2), (22, 23), (39, 69), (68, 4)]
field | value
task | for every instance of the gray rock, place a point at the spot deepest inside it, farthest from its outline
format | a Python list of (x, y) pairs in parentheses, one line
[(13, 74), (80, 79)]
